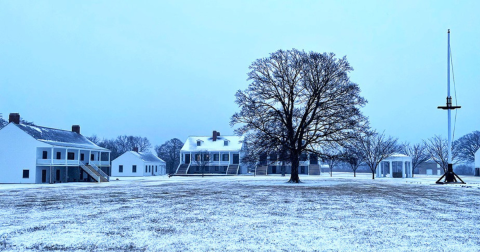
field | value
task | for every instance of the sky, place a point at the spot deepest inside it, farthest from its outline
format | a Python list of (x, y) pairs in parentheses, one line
[(170, 69)]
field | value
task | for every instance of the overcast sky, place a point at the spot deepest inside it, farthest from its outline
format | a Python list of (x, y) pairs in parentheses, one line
[(165, 69)]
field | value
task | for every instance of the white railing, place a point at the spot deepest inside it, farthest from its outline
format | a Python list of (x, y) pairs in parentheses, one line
[(176, 171), (90, 172), (58, 162), (188, 168), (100, 171)]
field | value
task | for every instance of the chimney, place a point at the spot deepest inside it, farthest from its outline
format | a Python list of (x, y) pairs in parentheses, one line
[(218, 133), (76, 129), (135, 149), (214, 135), (14, 117)]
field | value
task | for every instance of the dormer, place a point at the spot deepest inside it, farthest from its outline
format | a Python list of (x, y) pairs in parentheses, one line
[(199, 142), (226, 142)]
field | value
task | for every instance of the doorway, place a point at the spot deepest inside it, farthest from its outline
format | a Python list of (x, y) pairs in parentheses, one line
[(236, 158), (57, 177), (187, 158), (44, 176)]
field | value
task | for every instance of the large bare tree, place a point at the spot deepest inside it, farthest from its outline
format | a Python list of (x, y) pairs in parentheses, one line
[(437, 148), (300, 101), (170, 153), (467, 145), (375, 148), (418, 152), (332, 155)]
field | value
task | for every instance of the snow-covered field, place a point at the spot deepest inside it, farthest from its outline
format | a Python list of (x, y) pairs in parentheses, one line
[(243, 213)]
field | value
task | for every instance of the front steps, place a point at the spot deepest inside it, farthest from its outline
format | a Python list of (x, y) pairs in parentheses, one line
[(232, 169), (94, 172), (314, 169), (182, 169)]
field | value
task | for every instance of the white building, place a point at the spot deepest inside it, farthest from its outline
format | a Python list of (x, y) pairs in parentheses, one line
[(477, 163), (395, 166), (35, 154), (138, 164), (212, 154)]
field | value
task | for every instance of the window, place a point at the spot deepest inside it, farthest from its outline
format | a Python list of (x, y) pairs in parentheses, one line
[(198, 157), (71, 156), (134, 168), (206, 157), (225, 157), (207, 168), (216, 168), (149, 168), (82, 156), (44, 154), (120, 168), (156, 168), (197, 169), (199, 143), (59, 155), (92, 157), (26, 173), (146, 168), (225, 143), (216, 157)]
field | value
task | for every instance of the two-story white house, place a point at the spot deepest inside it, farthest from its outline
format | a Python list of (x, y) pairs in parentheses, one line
[(35, 154), (138, 164), (212, 154)]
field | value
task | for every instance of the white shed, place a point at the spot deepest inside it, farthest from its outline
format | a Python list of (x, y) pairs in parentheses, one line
[(138, 164), (477, 163)]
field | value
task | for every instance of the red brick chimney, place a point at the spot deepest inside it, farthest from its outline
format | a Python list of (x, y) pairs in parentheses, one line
[(135, 149), (214, 135), (14, 117)]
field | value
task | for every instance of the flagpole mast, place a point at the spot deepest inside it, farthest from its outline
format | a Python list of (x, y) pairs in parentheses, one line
[(450, 176)]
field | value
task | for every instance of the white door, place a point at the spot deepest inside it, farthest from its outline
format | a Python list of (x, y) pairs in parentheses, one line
[(429, 171)]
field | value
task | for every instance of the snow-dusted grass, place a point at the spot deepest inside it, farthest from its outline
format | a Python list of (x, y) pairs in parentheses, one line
[(242, 213)]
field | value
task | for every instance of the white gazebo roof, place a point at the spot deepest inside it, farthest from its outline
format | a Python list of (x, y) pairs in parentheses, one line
[(398, 157)]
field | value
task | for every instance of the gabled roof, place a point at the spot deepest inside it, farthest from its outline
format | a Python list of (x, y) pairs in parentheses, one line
[(235, 143), (147, 156), (58, 137)]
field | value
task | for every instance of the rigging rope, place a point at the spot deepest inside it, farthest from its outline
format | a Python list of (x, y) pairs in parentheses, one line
[(455, 91)]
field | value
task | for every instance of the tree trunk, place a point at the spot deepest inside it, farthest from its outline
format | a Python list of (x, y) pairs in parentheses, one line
[(295, 163), (373, 175), (331, 173), (354, 173)]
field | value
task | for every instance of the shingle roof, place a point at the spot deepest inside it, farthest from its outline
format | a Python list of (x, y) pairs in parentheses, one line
[(147, 156), (57, 137), (235, 143)]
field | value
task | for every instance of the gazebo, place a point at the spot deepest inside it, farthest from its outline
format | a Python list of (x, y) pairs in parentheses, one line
[(396, 166)]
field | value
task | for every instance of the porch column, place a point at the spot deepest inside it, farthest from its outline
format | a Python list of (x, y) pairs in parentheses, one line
[(379, 170), (391, 168), (51, 164), (403, 169), (78, 157), (89, 158)]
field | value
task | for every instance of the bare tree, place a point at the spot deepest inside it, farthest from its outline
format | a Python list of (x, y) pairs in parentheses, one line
[(94, 139), (418, 152), (375, 148), (467, 145), (170, 153), (300, 101), (332, 156), (353, 157), (202, 159), (437, 148)]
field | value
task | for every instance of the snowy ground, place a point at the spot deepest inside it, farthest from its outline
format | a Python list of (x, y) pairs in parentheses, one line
[(243, 213)]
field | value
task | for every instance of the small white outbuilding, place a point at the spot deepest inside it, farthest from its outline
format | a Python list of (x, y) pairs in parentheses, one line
[(396, 166), (138, 164)]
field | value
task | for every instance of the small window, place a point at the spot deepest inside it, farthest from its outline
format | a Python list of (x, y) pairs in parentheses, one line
[(156, 168), (71, 156), (26, 173), (197, 169), (44, 154), (149, 168), (206, 157), (215, 157), (199, 143), (92, 157), (82, 156), (207, 168), (198, 157), (120, 168), (216, 168), (134, 168), (59, 155), (146, 168), (225, 157), (225, 143)]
